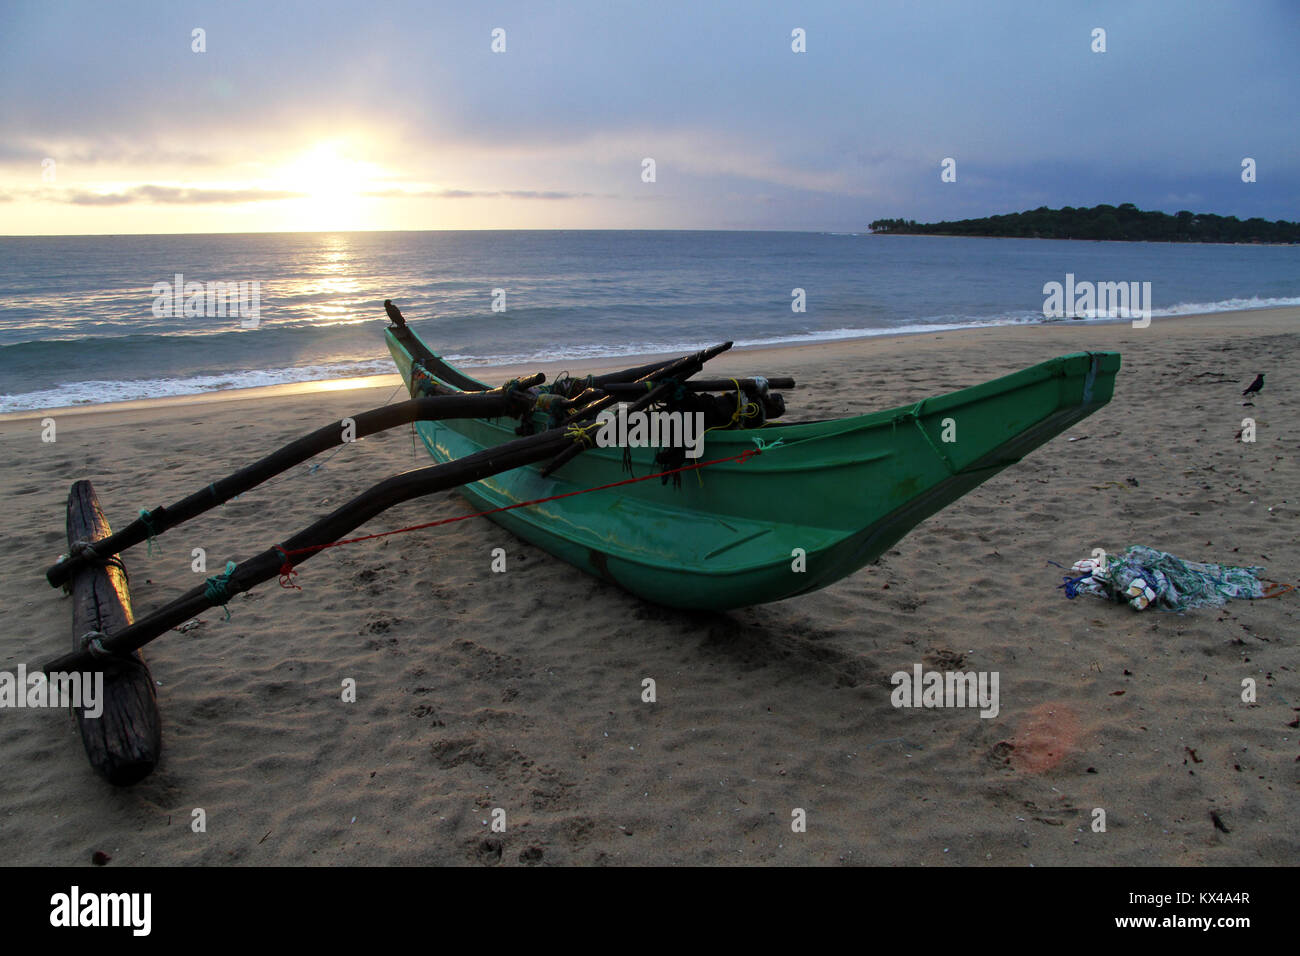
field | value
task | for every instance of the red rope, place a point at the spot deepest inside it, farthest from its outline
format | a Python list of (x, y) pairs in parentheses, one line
[(287, 570)]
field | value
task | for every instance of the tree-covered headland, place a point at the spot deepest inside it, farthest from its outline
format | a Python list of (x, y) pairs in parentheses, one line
[(1124, 223)]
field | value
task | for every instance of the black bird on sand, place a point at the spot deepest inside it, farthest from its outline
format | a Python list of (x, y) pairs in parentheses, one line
[(394, 313), (1254, 386)]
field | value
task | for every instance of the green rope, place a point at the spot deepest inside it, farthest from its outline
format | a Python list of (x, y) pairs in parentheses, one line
[(217, 591), (764, 446), (148, 526), (679, 390)]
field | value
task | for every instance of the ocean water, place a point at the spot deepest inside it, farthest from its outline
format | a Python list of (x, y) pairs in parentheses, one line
[(77, 320)]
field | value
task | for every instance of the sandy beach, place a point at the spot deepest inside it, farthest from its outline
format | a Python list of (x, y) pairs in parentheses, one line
[(522, 691)]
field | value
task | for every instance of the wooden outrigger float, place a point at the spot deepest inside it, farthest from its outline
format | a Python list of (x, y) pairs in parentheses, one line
[(125, 741), (841, 491)]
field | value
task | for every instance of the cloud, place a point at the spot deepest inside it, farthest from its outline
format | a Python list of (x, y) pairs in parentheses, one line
[(182, 196), (80, 198), (109, 150), (171, 195), (474, 194), (743, 130), (546, 194)]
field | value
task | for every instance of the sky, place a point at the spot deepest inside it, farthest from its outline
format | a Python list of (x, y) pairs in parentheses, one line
[(401, 115)]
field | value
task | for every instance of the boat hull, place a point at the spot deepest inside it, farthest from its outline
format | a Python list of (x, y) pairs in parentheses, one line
[(830, 498)]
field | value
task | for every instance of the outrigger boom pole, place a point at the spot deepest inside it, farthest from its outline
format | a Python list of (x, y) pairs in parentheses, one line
[(490, 404), (559, 444)]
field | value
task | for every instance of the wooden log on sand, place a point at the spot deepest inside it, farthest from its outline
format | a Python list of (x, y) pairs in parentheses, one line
[(125, 741)]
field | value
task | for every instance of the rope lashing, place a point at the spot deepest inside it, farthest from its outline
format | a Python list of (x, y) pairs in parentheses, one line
[(115, 561), (93, 641), (582, 433), (85, 551), (81, 549), (217, 591), (148, 526), (743, 410), (287, 570)]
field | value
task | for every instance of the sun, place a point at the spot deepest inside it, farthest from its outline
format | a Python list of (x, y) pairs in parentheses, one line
[(332, 184), (326, 172)]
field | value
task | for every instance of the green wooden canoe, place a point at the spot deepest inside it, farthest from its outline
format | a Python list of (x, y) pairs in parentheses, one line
[(843, 491)]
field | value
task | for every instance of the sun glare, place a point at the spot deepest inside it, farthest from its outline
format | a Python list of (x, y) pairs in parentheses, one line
[(333, 182), (325, 172)]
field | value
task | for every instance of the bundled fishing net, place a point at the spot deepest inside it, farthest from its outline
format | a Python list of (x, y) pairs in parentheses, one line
[(1143, 576)]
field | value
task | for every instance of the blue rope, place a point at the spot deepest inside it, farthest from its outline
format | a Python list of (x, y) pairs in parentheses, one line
[(148, 526), (317, 466), (1071, 585), (217, 591)]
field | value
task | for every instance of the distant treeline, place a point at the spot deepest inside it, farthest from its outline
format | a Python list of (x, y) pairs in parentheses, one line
[(1123, 223)]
